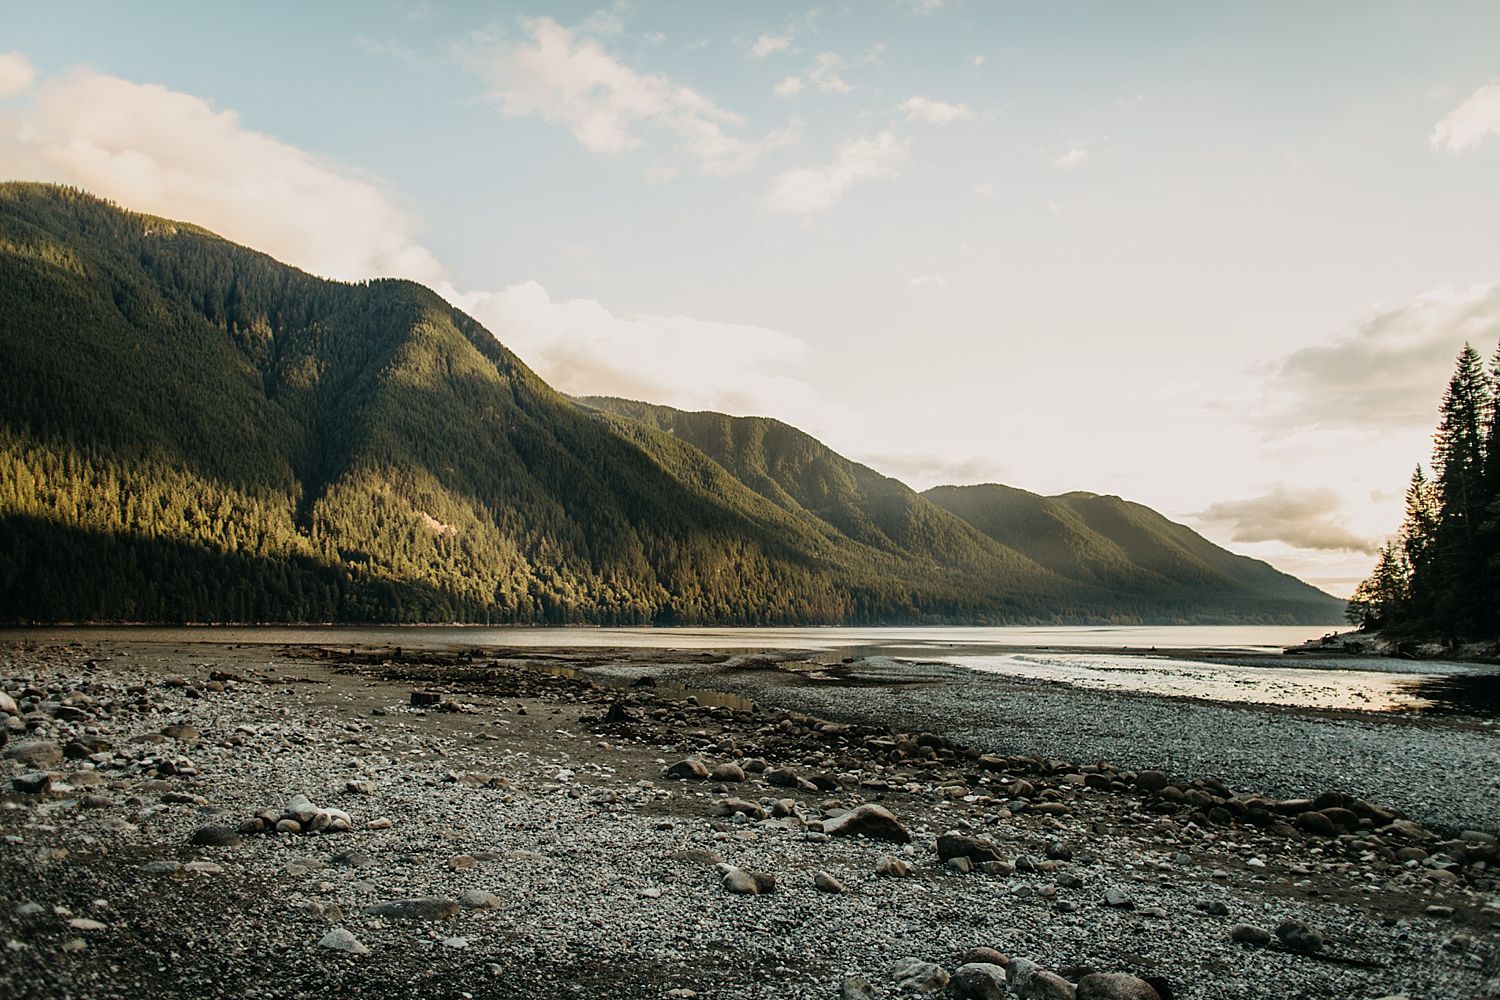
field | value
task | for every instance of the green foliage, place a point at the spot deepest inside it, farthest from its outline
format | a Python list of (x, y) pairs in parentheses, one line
[(192, 431), (1440, 577)]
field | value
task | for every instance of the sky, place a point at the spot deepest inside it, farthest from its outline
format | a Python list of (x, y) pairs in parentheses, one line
[(1214, 258)]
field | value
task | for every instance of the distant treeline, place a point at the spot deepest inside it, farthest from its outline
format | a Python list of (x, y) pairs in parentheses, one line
[(1440, 576)]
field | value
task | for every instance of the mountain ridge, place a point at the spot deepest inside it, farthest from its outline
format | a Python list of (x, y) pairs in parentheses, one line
[(206, 434)]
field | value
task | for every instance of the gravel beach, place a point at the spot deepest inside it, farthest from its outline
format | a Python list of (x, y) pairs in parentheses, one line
[(202, 820)]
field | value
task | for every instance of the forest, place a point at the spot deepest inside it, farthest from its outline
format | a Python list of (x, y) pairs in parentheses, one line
[(192, 431), (1439, 576)]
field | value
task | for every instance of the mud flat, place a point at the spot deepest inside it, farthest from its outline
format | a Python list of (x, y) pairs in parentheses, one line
[(203, 820)]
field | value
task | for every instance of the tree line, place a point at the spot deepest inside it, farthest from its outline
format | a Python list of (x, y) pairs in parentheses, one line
[(1440, 575)]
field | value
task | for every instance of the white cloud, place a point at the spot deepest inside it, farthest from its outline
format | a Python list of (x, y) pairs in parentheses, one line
[(167, 153), (817, 189), (16, 73), (1072, 159), (767, 45), (935, 112), (984, 189), (608, 106), (1467, 125), (1391, 370), (1302, 518), (789, 86), (583, 349), (927, 279), (824, 74), (977, 61)]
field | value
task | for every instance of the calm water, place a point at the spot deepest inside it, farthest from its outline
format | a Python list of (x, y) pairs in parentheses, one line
[(918, 641), (1125, 659)]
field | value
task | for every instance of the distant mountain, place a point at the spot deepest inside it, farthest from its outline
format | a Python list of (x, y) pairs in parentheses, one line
[(1105, 557), (190, 430)]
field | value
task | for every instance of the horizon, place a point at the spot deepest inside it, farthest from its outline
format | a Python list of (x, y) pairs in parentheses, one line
[(1163, 254)]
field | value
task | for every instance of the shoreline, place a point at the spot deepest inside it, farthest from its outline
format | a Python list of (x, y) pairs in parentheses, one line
[(513, 784)]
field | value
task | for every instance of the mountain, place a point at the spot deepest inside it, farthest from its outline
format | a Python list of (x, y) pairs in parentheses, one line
[(1108, 553), (190, 430)]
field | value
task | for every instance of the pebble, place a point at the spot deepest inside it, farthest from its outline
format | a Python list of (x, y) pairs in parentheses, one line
[(1298, 936), (1118, 898), (979, 981), (918, 976), (1115, 986), (341, 939), (893, 867), (824, 882)]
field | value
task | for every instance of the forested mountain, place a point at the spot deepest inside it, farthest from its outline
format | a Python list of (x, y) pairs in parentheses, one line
[(190, 430), (1107, 553)]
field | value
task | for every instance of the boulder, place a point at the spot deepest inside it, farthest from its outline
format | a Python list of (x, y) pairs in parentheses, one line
[(1115, 986), (869, 820), (979, 981)]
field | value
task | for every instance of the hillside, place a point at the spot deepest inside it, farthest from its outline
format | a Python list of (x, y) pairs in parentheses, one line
[(1112, 555), (190, 430)]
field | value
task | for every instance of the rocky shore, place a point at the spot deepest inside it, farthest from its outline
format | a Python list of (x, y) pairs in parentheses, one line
[(201, 820)]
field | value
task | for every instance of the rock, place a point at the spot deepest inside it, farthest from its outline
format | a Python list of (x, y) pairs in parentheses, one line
[(728, 773), (1118, 898), (958, 845), (1032, 982), (960, 865), (340, 939), (462, 862), (1317, 824), (979, 981), (360, 787), (1152, 781), (1250, 934), (824, 882), (1115, 986), (869, 820), (34, 783), (182, 732), (781, 777), (743, 883), (161, 868), (36, 753), (856, 988), (456, 943), (892, 867), (728, 807), (690, 767), (426, 699), (85, 924), (986, 956), (415, 908), (480, 899), (1299, 937), (216, 836), (8, 705), (918, 976)]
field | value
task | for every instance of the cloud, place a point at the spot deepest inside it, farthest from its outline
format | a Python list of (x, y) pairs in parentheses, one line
[(1301, 518), (167, 153), (1071, 160), (789, 86), (927, 279), (1467, 125), (583, 349), (984, 189), (16, 73), (977, 61), (817, 189), (767, 45), (935, 112), (1390, 371), (824, 74), (609, 107)]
